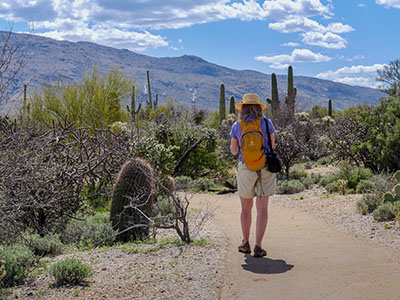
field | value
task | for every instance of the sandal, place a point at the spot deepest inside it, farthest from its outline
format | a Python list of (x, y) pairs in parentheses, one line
[(244, 247), (259, 252)]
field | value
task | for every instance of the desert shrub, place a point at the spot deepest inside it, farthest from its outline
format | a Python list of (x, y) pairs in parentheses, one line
[(371, 201), (356, 175), (17, 259), (333, 187), (327, 179), (89, 231), (365, 186), (290, 187), (298, 172), (362, 206), (202, 184), (70, 271), (306, 181), (351, 191), (383, 212), (315, 177), (50, 244), (164, 208), (183, 183), (325, 160)]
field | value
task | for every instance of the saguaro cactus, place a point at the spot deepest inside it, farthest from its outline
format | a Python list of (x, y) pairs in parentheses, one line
[(133, 111), (330, 108), (132, 198), (222, 108), (156, 102), (290, 99), (232, 109), (274, 101), (150, 103)]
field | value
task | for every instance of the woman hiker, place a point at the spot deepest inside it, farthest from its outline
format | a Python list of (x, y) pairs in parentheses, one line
[(260, 184)]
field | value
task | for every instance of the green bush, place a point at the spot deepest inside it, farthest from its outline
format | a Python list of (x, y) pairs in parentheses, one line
[(356, 175), (183, 183), (365, 186), (17, 260), (70, 271), (371, 201), (325, 160), (202, 184), (383, 212), (298, 172), (90, 231), (50, 244), (315, 177), (290, 187), (327, 179), (333, 187), (362, 206), (306, 181)]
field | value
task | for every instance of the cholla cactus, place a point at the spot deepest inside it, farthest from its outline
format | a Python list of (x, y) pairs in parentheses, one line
[(2, 273)]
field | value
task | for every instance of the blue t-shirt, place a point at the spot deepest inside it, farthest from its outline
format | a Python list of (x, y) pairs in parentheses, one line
[(236, 132)]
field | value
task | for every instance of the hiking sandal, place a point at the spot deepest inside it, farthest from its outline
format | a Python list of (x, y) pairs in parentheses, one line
[(259, 252), (244, 248)]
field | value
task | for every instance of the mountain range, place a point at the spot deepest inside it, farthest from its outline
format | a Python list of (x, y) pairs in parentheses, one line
[(188, 78)]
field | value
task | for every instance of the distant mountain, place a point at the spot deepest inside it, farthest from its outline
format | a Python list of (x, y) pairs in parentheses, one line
[(187, 78)]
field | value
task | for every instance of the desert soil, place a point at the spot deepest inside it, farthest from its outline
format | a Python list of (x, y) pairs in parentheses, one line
[(319, 247)]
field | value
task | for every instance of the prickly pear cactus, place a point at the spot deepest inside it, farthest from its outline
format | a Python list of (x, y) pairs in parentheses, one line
[(132, 198), (389, 197)]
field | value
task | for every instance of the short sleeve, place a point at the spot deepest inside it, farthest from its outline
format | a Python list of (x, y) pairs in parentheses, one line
[(236, 131), (271, 126)]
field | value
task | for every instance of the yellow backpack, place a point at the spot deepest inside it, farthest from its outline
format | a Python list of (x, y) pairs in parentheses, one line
[(252, 144)]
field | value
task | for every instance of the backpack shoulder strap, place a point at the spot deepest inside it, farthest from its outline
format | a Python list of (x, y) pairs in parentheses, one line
[(269, 136)]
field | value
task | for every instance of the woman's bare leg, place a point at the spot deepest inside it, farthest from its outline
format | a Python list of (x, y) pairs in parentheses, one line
[(262, 218), (245, 217)]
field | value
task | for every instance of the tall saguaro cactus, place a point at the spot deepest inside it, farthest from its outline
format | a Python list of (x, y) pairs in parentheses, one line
[(156, 102), (132, 198), (274, 101), (330, 108), (222, 108), (290, 99), (134, 112), (232, 105), (150, 103)]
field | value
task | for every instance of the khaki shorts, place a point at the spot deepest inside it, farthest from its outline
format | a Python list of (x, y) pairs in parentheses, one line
[(249, 186)]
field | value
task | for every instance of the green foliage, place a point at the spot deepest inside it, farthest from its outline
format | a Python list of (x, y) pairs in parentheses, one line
[(132, 196), (290, 186), (50, 244), (202, 184), (90, 231), (332, 187), (183, 183), (70, 271), (327, 179), (383, 212), (93, 102), (17, 259), (298, 172), (362, 207), (364, 186), (368, 201)]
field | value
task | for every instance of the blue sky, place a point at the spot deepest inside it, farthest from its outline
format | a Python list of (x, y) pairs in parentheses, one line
[(344, 41)]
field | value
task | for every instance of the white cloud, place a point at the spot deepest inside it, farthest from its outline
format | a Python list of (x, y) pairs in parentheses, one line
[(297, 56), (327, 40), (303, 24), (361, 5), (354, 75), (389, 3), (290, 44), (130, 22)]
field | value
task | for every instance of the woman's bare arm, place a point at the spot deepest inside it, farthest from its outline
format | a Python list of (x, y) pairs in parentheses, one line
[(272, 135), (234, 146)]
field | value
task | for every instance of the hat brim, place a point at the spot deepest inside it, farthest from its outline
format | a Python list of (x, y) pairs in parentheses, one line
[(240, 105)]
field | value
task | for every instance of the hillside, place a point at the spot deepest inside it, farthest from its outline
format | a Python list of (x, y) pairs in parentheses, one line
[(183, 78)]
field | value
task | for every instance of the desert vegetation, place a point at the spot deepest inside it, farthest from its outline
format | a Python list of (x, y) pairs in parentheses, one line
[(80, 170)]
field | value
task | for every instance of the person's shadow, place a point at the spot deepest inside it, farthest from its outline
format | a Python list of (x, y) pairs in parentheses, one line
[(265, 265)]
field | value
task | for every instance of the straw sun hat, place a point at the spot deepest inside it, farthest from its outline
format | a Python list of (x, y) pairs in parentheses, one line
[(250, 99)]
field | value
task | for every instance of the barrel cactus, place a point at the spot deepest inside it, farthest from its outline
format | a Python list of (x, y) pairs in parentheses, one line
[(132, 198)]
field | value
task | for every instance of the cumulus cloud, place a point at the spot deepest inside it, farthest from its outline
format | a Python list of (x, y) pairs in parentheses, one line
[(297, 56), (130, 22), (354, 75), (326, 40), (389, 3)]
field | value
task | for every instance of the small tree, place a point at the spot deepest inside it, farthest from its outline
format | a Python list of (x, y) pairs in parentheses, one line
[(389, 76)]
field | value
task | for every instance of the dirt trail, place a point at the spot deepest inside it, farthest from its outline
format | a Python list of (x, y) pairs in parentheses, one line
[(307, 258)]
